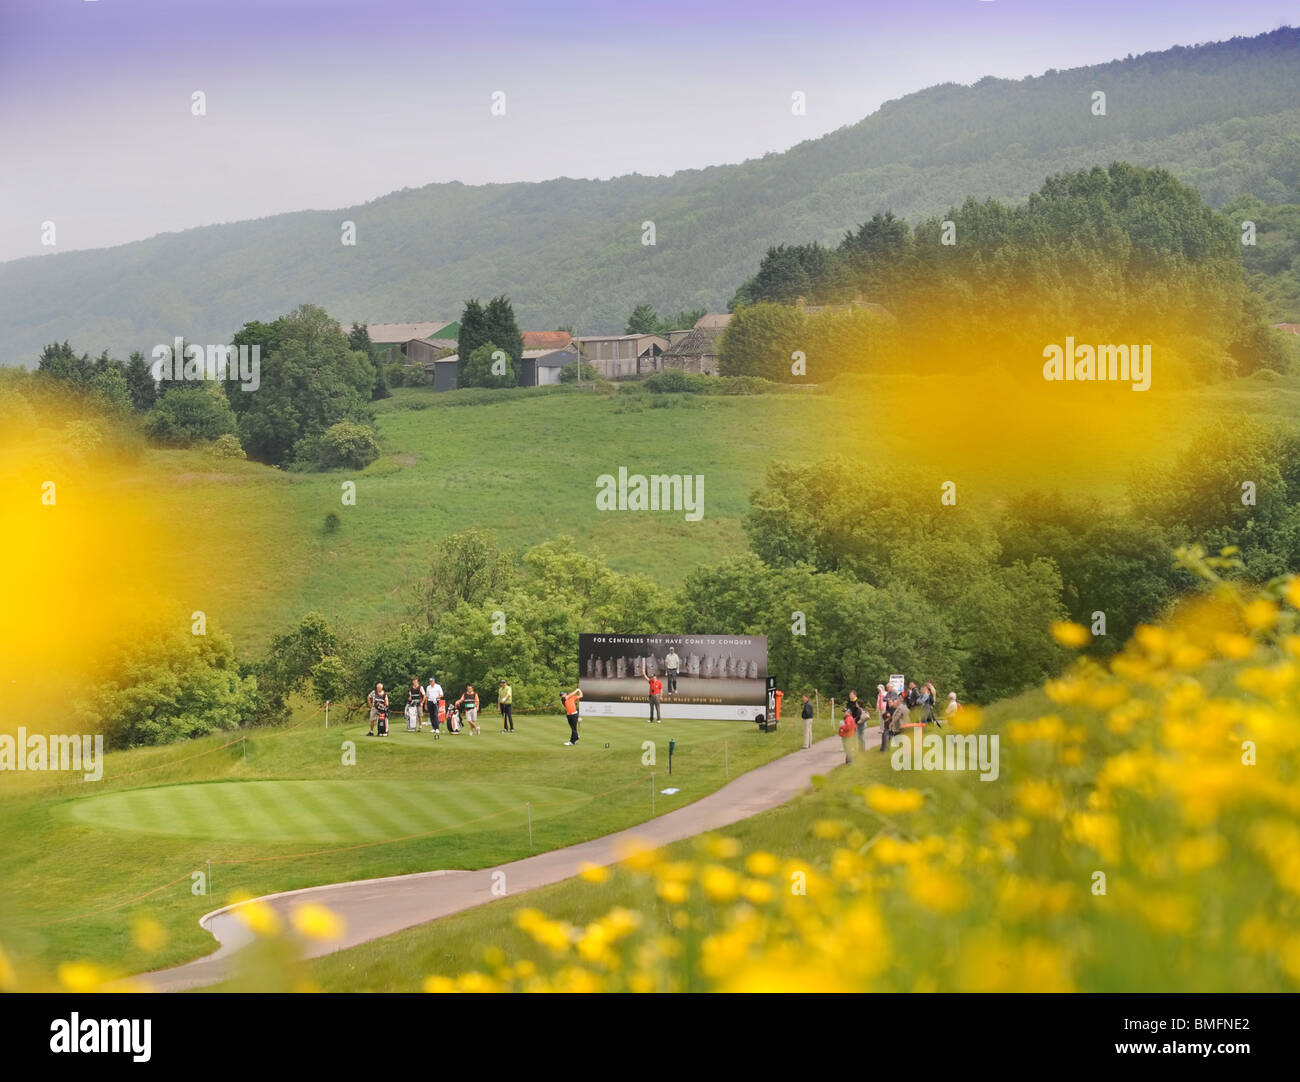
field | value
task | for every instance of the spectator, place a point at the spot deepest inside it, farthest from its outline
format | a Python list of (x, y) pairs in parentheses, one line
[(807, 715), (571, 712), (859, 713), (504, 701), (951, 710), (847, 728), (656, 687), (881, 696), (927, 702)]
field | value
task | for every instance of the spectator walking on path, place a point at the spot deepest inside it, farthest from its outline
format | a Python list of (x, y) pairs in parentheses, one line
[(504, 701), (656, 688), (671, 664), (571, 712), (859, 712), (847, 728), (378, 699), (807, 721)]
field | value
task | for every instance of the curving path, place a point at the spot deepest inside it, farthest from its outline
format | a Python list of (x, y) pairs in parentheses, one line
[(373, 908)]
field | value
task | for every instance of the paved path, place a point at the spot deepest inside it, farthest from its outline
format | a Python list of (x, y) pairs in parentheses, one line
[(373, 908)]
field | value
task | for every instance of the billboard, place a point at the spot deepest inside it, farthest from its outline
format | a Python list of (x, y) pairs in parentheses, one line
[(717, 676)]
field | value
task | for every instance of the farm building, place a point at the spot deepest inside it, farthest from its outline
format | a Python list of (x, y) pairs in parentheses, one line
[(696, 350), (616, 355)]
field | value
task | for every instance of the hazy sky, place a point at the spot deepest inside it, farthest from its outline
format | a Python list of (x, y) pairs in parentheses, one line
[(325, 103)]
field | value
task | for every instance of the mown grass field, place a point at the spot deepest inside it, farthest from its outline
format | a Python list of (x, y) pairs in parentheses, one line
[(455, 944), (83, 863), (252, 551)]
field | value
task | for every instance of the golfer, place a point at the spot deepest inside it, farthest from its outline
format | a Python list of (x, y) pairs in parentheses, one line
[(433, 697), (571, 712), (504, 697), (656, 688)]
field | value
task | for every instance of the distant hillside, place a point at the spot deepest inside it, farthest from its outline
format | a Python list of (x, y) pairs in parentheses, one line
[(1222, 117)]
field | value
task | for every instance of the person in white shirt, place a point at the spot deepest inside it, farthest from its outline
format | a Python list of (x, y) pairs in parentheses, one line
[(672, 663), (433, 695)]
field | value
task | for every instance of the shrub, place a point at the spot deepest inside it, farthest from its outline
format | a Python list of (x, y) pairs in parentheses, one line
[(228, 446), (346, 445), (332, 522)]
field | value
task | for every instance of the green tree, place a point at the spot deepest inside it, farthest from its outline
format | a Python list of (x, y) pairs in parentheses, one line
[(500, 327), (643, 320), (140, 384), (468, 566), (310, 380), (473, 329), (187, 415), (487, 366)]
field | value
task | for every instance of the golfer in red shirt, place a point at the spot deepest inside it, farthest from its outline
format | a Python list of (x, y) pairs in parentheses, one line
[(656, 687)]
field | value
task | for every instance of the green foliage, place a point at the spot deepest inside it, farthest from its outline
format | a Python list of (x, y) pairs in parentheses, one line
[(174, 685), (293, 660), (569, 373), (468, 567), (310, 380), (227, 446), (346, 445), (140, 383), (188, 414), (645, 320), (478, 369)]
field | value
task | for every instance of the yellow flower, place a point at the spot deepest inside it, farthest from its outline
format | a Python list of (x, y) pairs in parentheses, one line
[(1071, 756), (1233, 646), (317, 922), (936, 889), (593, 873), (1070, 634), (829, 829), (993, 964), (761, 863), (1154, 640), (1260, 615), (719, 883), (438, 985), (1196, 854), (890, 801), (1292, 591), (672, 892), (148, 934), (1040, 798), (1098, 831), (720, 848), (756, 891), (638, 856), (8, 981), (81, 976), (259, 917)]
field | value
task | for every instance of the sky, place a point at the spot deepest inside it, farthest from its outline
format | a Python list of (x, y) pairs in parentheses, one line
[(317, 104)]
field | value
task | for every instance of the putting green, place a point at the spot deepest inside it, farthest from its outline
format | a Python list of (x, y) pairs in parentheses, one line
[(322, 811)]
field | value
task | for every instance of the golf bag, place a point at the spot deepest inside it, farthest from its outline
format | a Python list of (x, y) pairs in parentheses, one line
[(412, 717), (439, 714), (453, 720), (381, 721)]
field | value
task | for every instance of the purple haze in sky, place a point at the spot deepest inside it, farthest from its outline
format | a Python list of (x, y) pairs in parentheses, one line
[(321, 103)]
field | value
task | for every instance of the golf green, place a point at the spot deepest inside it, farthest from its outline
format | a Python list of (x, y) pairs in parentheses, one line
[(322, 811)]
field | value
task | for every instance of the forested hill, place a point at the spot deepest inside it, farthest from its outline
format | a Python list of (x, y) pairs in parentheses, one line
[(1223, 117)]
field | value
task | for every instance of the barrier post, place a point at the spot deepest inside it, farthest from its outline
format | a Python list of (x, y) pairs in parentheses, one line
[(652, 794), (327, 713), (529, 806), (726, 766)]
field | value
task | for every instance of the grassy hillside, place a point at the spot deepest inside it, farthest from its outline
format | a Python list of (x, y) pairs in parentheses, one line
[(525, 466), (1220, 116)]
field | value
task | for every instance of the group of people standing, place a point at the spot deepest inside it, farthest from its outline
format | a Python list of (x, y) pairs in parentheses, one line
[(426, 700), (893, 709)]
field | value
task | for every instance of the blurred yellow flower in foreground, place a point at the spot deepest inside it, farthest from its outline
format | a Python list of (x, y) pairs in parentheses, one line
[(890, 801), (148, 934), (81, 976), (317, 922), (1070, 634), (259, 917), (594, 873)]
